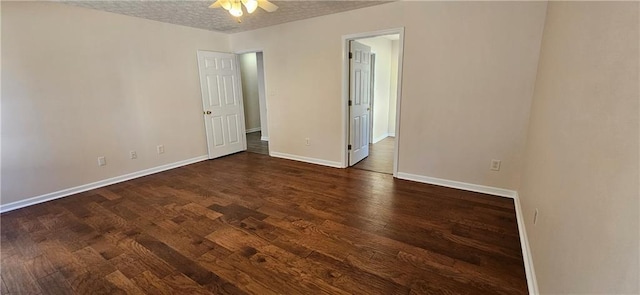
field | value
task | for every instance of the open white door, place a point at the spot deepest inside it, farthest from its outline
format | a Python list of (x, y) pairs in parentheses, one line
[(222, 102), (359, 101)]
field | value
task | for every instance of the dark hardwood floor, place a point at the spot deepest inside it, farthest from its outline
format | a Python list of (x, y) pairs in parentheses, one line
[(256, 145), (380, 157), (248, 223)]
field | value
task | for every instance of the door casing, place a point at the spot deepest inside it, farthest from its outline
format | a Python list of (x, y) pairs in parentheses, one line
[(262, 89), (345, 90), (372, 98)]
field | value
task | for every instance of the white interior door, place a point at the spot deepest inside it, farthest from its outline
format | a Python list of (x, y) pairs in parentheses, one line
[(222, 102), (359, 101)]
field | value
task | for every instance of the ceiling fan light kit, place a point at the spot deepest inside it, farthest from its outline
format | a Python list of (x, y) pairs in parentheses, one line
[(250, 5), (234, 7)]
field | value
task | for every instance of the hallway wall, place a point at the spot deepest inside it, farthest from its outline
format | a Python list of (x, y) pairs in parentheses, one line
[(249, 77), (381, 46)]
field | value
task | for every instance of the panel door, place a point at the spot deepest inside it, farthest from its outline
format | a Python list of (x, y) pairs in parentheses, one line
[(222, 102), (360, 101)]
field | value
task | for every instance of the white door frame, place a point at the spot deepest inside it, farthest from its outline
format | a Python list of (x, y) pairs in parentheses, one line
[(345, 90), (261, 92), (373, 95)]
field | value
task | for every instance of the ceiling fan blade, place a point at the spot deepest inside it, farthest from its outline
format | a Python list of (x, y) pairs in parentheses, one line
[(221, 3), (266, 5)]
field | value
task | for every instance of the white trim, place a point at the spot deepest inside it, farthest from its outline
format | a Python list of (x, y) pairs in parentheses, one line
[(372, 34), (255, 50), (345, 91), (85, 187), (264, 138), (306, 159), (459, 185), (396, 150), (253, 130), (392, 134), (532, 282)]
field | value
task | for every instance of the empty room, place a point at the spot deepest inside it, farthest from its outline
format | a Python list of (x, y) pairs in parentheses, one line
[(319, 147)]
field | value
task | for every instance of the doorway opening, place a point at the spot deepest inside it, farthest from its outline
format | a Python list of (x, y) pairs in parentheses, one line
[(372, 80), (251, 66)]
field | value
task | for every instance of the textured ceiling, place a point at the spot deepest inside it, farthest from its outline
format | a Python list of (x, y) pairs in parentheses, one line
[(197, 14)]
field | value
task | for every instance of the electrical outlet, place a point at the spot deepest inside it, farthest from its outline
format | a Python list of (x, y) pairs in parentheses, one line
[(160, 149), (102, 161), (307, 141), (535, 217), (133, 155), (495, 165)]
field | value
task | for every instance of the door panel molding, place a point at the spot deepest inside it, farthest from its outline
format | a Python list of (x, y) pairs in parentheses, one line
[(222, 103), (359, 108)]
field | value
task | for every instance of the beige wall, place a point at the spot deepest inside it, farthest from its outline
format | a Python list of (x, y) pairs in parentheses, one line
[(382, 48), (249, 73), (467, 84), (581, 169), (80, 83)]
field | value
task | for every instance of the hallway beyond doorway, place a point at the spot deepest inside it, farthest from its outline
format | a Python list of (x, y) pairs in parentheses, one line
[(380, 157), (256, 145)]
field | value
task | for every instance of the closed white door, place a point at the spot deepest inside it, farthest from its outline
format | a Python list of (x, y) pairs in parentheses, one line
[(222, 102), (359, 101)]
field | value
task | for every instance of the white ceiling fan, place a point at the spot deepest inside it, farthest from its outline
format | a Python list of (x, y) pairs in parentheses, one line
[(235, 6)]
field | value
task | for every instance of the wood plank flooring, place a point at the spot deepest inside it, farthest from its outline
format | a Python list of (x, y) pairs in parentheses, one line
[(256, 145), (251, 224), (380, 157)]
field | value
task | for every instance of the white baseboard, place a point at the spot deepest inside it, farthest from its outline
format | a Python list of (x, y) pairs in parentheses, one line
[(392, 134), (532, 282), (97, 184), (524, 241), (307, 159), (459, 185), (253, 130), (264, 138)]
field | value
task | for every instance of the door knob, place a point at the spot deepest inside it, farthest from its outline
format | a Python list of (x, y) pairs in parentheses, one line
[(368, 109), (208, 112)]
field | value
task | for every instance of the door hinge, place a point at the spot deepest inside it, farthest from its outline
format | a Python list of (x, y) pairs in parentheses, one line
[(350, 55), (349, 147), (350, 102)]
